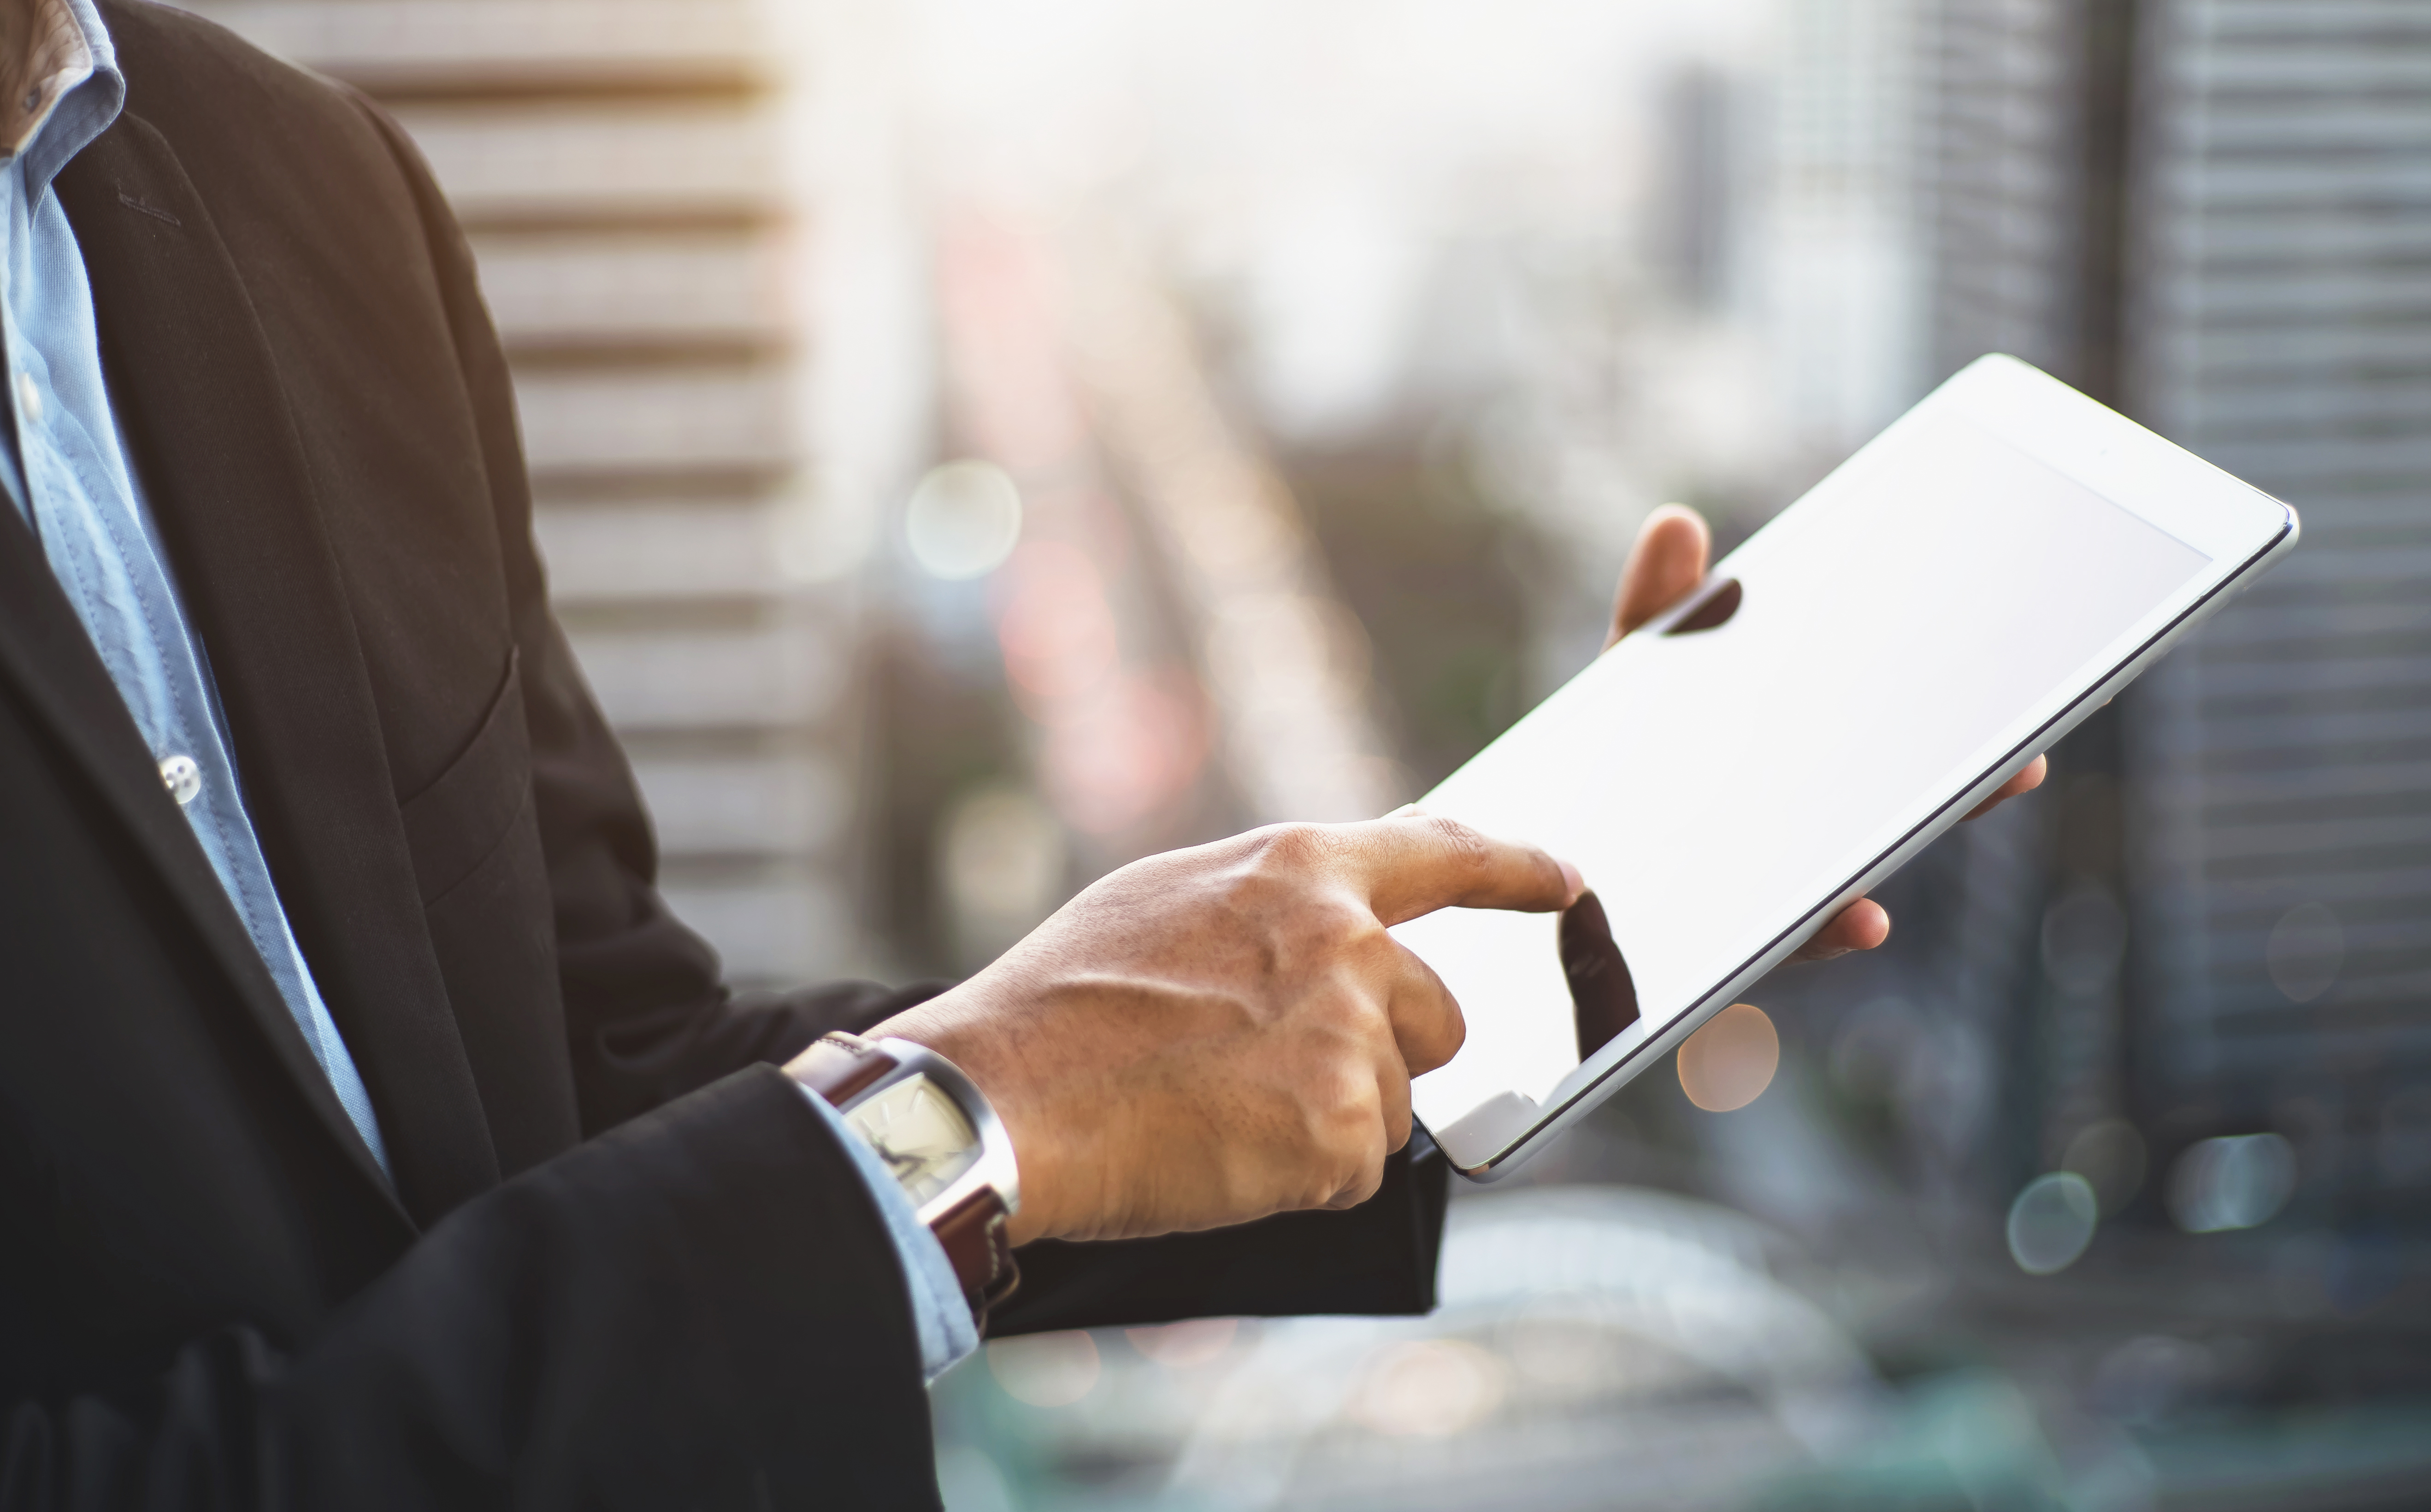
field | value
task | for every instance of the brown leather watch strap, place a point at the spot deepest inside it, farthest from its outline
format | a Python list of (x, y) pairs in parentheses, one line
[(839, 1067), (973, 1234)]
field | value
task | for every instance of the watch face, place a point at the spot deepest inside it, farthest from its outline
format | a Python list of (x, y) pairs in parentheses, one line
[(920, 1133)]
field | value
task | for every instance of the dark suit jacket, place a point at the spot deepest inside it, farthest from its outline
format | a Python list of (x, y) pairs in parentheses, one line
[(622, 1264)]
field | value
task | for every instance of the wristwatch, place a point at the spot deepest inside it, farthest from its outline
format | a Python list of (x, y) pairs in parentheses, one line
[(942, 1140)]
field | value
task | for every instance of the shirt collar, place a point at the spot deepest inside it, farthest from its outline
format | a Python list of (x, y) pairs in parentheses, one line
[(65, 88)]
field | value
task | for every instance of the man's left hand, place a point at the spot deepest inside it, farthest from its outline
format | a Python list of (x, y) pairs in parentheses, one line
[(1670, 559)]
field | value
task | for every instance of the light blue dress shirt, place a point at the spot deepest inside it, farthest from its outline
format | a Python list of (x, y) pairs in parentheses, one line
[(66, 471)]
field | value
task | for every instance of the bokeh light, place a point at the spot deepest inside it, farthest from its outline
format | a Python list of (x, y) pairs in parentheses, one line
[(2237, 1181), (1003, 859), (1186, 1346), (2304, 951), (1110, 761), (2052, 1222), (1729, 1062), (1430, 1389), (1056, 625), (964, 520), (1045, 1369)]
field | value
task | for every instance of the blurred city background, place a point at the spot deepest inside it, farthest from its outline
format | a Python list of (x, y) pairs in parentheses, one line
[(981, 442)]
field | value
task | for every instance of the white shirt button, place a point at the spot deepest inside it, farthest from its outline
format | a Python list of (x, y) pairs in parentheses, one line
[(182, 777), (29, 395)]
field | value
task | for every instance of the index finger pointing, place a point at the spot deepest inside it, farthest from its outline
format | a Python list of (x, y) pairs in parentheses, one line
[(1414, 864)]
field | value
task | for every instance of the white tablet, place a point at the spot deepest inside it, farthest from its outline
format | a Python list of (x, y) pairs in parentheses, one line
[(1868, 667)]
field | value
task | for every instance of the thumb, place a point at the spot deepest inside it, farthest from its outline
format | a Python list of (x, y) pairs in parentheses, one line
[(1667, 561)]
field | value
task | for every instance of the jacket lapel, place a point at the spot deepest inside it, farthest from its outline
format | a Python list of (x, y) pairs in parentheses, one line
[(46, 652), (200, 396)]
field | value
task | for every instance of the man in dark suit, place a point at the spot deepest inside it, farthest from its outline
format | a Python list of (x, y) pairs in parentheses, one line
[(370, 1134)]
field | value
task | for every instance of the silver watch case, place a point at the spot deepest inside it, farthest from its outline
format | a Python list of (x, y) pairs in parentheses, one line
[(994, 1167)]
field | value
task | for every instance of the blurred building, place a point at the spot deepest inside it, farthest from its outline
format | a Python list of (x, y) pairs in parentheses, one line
[(2023, 142), (1842, 253), (2282, 766), (632, 175), (2023, 183), (2214, 213)]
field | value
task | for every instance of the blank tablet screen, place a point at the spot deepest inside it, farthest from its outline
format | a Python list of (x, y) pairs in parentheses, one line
[(1895, 628)]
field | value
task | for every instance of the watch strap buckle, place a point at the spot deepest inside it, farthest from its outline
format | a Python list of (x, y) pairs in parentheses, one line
[(972, 1233)]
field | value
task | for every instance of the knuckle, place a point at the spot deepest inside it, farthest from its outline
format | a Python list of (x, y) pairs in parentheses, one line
[(1279, 874), (1340, 1095), (1344, 1130), (1437, 1046), (1464, 847), (1455, 1035), (1360, 1018), (1362, 1184), (1341, 939), (1343, 921), (1367, 947), (1433, 1026), (1292, 848), (1336, 1103)]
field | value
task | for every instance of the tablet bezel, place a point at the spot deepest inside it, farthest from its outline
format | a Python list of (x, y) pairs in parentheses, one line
[(2240, 528)]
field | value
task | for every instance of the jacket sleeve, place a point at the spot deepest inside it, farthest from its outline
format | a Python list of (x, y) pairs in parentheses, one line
[(700, 1309), (1378, 1257)]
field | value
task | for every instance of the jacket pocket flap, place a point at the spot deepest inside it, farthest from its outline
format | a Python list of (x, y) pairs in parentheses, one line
[(456, 822)]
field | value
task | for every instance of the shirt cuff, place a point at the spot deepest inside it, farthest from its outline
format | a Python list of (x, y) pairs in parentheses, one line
[(940, 1314)]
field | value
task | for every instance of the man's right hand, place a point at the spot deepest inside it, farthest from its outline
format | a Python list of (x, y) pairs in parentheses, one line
[(1210, 1036)]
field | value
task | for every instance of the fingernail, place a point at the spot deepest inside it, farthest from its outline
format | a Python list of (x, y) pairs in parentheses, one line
[(1572, 880)]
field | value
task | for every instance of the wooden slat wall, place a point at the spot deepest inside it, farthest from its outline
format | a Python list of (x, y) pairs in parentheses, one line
[(623, 170)]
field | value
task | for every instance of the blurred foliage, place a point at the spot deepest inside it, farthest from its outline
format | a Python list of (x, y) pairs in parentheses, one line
[(1437, 576)]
